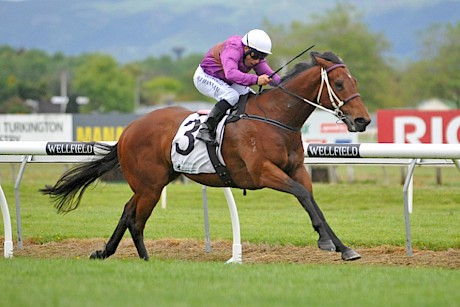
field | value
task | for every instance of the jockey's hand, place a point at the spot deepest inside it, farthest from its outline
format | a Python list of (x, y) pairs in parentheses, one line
[(263, 80)]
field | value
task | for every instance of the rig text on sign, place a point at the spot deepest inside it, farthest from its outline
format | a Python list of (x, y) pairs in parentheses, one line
[(412, 126)]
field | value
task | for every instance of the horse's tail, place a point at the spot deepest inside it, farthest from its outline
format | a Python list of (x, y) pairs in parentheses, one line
[(69, 189)]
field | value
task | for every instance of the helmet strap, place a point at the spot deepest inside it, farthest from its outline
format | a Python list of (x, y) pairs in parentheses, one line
[(248, 52)]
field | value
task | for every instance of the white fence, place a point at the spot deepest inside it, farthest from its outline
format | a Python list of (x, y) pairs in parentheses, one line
[(371, 153), (76, 152), (367, 153)]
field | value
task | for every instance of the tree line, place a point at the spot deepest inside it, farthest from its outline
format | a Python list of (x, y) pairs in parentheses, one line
[(31, 76)]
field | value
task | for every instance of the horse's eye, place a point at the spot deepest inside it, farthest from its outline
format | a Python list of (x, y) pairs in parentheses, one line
[(338, 85)]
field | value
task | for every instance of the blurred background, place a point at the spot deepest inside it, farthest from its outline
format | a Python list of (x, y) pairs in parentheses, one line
[(133, 56)]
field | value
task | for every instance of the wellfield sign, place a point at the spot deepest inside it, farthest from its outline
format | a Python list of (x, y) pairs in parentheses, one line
[(413, 126)]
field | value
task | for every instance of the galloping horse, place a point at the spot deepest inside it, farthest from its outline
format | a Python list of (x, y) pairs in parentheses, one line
[(263, 149)]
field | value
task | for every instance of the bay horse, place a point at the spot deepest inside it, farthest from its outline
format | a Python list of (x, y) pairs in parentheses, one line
[(263, 149)]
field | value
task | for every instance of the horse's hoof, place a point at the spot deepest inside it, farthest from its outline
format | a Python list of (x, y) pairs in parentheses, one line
[(326, 245), (350, 255), (96, 255)]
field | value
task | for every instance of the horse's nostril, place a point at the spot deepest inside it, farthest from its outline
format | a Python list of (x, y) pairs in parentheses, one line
[(362, 121)]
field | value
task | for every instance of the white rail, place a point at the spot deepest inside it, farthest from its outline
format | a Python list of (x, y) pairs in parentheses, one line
[(76, 152), (414, 152), (381, 150)]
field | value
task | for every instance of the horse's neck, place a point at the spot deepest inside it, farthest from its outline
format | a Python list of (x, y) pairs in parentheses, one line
[(280, 106)]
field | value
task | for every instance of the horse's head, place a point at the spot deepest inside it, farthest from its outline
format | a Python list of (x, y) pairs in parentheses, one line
[(338, 91)]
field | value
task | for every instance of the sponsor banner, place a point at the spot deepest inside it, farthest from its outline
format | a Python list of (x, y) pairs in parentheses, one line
[(333, 150), (414, 126), (100, 127), (35, 127), (69, 148), (322, 127)]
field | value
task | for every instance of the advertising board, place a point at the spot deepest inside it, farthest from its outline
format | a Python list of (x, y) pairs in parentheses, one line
[(322, 127), (414, 126), (100, 127), (35, 127)]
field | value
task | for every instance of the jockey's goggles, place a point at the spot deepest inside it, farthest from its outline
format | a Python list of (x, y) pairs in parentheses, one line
[(257, 55)]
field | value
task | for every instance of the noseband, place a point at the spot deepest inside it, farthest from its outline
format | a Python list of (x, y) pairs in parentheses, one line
[(333, 98)]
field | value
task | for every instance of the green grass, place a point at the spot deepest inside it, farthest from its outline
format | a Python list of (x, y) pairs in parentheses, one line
[(64, 282), (362, 214), (366, 213)]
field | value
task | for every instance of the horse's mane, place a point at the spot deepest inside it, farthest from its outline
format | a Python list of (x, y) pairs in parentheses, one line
[(329, 56)]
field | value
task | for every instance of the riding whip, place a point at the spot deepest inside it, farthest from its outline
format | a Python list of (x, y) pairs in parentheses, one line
[(300, 54)]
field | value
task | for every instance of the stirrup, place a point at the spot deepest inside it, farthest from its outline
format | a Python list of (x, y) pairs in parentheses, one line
[(205, 135)]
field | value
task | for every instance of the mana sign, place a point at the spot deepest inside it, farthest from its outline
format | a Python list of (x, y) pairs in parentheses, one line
[(412, 126)]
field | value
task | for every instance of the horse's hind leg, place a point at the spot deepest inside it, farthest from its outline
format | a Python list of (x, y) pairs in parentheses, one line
[(117, 235), (137, 211), (144, 205)]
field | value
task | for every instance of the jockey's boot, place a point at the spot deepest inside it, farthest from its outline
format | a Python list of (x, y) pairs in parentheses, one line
[(207, 132)]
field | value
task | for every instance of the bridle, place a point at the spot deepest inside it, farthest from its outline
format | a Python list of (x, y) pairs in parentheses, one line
[(336, 102), (334, 99)]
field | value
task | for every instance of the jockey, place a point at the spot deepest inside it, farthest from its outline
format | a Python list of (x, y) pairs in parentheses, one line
[(223, 75)]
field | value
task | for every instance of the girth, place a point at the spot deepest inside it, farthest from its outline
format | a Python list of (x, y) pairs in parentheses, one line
[(235, 115), (221, 169)]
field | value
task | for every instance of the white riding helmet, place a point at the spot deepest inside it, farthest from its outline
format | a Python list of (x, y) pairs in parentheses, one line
[(258, 40)]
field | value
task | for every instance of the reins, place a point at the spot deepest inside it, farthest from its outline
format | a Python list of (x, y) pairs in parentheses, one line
[(268, 121)]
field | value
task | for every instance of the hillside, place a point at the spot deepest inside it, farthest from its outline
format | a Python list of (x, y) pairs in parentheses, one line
[(152, 28)]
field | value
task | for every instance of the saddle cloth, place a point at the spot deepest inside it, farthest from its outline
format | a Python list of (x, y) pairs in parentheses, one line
[(189, 155)]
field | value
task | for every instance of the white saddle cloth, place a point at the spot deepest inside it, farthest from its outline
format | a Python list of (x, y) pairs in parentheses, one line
[(189, 155)]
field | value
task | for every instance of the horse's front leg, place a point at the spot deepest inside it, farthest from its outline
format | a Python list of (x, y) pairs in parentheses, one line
[(347, 253), (301, 175), (274, 178), (326, 242)]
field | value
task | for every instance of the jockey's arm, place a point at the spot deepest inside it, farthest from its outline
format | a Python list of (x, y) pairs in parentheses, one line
[(230, 57)]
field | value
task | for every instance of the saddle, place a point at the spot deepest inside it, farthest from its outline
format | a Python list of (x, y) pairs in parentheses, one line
[(192, 156)]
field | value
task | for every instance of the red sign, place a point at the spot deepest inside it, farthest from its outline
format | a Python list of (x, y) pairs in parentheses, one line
[(412, 126), (333, 128)]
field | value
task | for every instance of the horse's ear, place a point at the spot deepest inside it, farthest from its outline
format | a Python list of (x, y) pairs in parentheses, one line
[(313, 56), (318, 59), (334, 58), (322, 62)]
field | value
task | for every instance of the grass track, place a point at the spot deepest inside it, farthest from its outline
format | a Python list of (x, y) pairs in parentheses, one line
[(366, 213), (362, 215), (63, 282)]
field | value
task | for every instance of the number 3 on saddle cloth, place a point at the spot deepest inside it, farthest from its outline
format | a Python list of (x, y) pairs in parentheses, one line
[(192, 156)]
